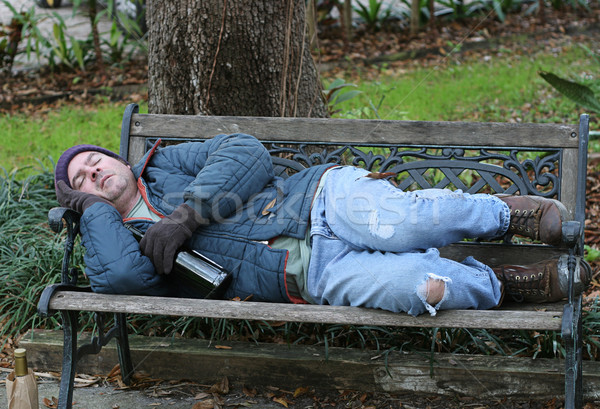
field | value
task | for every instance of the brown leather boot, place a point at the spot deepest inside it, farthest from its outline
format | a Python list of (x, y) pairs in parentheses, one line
[(535, 217), (546, 281)]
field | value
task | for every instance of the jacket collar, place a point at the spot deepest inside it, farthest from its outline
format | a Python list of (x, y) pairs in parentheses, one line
[(138, 168)]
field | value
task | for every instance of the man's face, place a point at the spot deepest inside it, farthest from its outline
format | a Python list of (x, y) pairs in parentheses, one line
[(102, 175)]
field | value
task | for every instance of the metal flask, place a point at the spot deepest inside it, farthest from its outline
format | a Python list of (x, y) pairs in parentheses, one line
[(194, 270)]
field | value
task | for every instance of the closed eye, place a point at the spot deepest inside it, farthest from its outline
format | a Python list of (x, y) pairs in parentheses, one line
[(78, 182)]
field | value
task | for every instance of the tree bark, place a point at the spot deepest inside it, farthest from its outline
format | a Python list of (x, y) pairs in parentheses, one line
[(231, 57), (93, 13), (347, 20), (415, 11)]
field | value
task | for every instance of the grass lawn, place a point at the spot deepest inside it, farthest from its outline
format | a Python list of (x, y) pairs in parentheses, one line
[(29, 141), (500, 86)]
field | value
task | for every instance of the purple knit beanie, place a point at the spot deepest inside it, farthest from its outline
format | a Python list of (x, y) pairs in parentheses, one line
[(63, 162)]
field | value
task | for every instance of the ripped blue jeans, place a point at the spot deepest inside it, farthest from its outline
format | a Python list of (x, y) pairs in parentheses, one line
[(375, 246)]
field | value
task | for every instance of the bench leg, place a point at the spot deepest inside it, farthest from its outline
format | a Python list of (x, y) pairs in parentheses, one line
[(572, 336), (67, 378), (72, 353), (123, 350)]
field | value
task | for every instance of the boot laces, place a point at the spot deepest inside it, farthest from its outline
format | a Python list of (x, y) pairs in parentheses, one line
[(517, 286), (519, 219)]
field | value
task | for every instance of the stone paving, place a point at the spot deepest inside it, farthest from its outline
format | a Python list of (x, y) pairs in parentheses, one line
[(177, 396)]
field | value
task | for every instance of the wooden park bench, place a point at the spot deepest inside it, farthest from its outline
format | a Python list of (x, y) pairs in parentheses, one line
[(534, 159)]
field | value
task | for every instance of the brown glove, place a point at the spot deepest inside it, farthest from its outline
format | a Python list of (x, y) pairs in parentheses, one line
[(74, 199), (163, 239)]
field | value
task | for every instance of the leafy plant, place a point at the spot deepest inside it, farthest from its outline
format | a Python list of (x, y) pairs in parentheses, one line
[(591, 329), (35, 41), (424, 14), (373, 14), (30, 254), (592, 254), (69, 50), (117, 44), (579, 93), (456, 6), (130, 17), (61, 49), (503, 7), (126, 35), (10, 37), (337, 93)]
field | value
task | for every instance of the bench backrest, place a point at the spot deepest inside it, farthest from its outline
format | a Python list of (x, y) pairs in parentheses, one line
[(536, 159)]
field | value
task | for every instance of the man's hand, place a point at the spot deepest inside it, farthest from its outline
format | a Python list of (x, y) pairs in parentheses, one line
[(74, 199), (163, 239)]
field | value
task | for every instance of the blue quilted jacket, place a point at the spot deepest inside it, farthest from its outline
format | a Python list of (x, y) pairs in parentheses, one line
[(228, 179)]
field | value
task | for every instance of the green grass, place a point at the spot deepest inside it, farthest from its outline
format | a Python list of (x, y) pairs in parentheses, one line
[(30, 254), (43, 137), (493, 88)]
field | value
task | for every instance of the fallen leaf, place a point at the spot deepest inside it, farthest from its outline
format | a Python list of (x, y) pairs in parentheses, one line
[(380, 175), (282, 401), (222, 388), (249, 392), (115, 371), (300, 391), (205, 404), (222, 347), (50, 403)]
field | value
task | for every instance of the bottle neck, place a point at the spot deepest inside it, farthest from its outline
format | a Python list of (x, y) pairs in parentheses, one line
[(20, 363)]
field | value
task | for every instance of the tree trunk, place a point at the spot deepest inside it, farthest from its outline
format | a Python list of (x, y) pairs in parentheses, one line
[(93, 14), (415, 11), (231, 57), (347, 20), (431, 14)]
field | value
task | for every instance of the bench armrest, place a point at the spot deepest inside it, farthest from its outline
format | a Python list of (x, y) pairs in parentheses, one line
[(43, 308), (57, 215)]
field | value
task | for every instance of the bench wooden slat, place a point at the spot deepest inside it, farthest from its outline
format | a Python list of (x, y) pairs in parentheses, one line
[(541, 319), (360, 132), (495, 254)]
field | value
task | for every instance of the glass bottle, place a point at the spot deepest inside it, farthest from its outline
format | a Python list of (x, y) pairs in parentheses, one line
[(192, 268), (21, 387), (21, 362)]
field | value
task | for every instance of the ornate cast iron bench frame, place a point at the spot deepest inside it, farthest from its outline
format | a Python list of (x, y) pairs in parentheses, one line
[(537, 159)]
